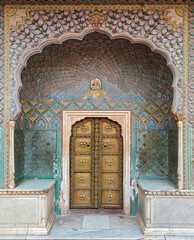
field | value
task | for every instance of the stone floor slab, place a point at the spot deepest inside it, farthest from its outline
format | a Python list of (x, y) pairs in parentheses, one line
[(69, 222), (95, 227), (96, 222), (123, 222)]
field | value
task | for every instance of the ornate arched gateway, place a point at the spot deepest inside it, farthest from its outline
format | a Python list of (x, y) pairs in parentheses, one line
[(115, 75), (121, 36)]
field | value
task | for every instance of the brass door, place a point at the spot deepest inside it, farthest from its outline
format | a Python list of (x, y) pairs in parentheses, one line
[(96, 164)]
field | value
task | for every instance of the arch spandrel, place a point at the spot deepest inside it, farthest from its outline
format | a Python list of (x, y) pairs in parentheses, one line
[(120, 29)]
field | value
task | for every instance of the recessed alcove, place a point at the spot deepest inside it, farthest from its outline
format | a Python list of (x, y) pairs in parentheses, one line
[(134, 79)]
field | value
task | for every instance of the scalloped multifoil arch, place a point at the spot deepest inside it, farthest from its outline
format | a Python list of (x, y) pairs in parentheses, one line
[(79, 36)]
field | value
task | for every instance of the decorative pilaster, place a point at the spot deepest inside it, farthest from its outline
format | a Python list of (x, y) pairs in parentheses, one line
[(179, 120), (180, 155), (11, 160)]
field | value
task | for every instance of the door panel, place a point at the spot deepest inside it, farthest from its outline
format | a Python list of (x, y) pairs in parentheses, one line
[(110, 145), (110, 181), (110, 198), (108, 129), (82, 198), (82, 163), (82, 180), (96, 164), (83, 144), (110, 163)]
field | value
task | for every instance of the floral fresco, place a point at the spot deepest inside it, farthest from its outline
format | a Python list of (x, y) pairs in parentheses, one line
[(163, 29)]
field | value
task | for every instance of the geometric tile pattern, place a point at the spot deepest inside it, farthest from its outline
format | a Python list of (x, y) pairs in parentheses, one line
[(1, 94), (191, 68), (143, 114), (172, 154), (40, 154), (152, 154), (1, 66), (76, 2), (19, 155)]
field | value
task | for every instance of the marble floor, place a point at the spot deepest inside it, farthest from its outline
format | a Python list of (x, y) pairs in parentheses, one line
[(96, 227)]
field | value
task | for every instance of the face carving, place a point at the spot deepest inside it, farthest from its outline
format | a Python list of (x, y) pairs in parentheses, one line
[(95, 84)]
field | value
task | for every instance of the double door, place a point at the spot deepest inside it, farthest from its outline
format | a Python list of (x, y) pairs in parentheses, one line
[(96, 164)]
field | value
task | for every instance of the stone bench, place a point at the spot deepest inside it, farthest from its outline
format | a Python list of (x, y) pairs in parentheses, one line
[(27, 209), (165, 210)]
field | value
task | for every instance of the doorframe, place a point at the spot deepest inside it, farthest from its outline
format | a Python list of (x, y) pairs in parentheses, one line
[(70, 117)]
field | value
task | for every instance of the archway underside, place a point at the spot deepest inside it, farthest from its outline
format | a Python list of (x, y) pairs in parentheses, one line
[(113, 37), (133, 78)]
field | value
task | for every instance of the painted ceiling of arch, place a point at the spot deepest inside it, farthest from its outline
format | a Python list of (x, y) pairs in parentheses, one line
[(30, 28), (129, 72), (132, 77)]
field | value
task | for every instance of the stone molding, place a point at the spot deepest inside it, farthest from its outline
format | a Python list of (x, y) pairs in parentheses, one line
[(24, 192), (176, 192)]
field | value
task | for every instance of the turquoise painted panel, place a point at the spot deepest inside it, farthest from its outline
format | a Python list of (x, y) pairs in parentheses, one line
[(42, 157), (134, 201), (58, 177), (172, 154), (152, 154), (40, 153), (19, 155)]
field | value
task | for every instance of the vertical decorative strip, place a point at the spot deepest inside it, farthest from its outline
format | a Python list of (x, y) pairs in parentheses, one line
[(185, 98), (190, 96), (7, 98), (11, 153), (180, 155), (1, 95), (191, 157), (1, 65), (96, 161)]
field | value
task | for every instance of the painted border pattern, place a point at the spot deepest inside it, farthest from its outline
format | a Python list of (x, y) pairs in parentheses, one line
[(9, 8), (7, 97), (185, 102), (1, 94), (1, 65), (191, 67), (191, 97), (94, 2)]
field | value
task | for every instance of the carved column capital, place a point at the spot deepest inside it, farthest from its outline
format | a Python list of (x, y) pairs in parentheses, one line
[(178, 116)]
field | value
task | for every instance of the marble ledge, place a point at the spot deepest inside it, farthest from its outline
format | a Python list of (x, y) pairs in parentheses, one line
[(31, 187), (161, 188)]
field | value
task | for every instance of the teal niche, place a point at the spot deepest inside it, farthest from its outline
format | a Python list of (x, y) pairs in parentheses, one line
[(39, 157)]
